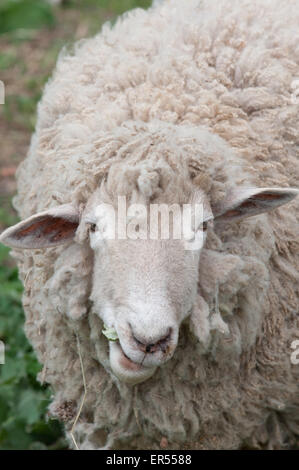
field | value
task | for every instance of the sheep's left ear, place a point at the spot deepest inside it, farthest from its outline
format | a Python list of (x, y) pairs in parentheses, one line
[(241, 203), (45, 229)]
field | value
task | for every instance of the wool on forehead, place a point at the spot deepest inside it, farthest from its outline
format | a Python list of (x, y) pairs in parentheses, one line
[(162, 162)]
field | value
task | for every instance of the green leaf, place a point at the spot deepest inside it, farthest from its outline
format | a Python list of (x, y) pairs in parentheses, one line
[(13, 370), (110, 333), (14, 434), (30, 406), (25, 14)]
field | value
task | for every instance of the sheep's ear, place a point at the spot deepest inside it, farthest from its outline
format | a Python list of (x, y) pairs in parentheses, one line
[(241, 203), (45, 229)]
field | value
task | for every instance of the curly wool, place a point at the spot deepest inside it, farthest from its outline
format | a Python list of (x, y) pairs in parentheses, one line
[(146, 92)]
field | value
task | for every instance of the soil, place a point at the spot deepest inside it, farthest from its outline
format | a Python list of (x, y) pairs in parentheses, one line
[(29, 58)]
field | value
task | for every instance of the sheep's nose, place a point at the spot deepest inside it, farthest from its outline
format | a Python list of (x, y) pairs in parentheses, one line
[(151, 347)]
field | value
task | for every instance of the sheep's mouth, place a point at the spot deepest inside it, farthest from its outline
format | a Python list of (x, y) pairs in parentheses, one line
[(126, 362), (124, 368)]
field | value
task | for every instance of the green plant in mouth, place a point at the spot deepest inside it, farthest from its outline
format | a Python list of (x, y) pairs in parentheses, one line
[(110, 333)]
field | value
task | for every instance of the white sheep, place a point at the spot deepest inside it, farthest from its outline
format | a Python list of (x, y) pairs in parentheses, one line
[(188, 102)]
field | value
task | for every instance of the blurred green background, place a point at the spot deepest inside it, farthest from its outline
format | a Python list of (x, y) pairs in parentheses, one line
[(32, 32)]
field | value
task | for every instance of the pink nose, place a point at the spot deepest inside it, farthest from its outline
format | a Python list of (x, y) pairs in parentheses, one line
[(161, 345)]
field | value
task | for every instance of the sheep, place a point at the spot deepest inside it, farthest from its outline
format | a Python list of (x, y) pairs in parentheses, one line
[(185, 103)]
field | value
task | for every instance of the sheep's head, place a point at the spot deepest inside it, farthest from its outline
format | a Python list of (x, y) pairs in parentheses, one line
[(143, 288), (144, 284), (145, 281)]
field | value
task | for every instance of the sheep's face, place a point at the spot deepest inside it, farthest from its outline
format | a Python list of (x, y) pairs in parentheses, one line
[(143, 286), (143, 290)]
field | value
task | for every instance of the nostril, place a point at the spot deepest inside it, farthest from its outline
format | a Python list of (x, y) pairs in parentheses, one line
[(164, 343), (160, 345)]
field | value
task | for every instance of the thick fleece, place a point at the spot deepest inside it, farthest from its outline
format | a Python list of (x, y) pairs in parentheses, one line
[(200, 93)]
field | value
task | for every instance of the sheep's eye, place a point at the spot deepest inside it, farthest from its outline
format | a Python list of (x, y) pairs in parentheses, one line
[(204, 226), (92, 227)]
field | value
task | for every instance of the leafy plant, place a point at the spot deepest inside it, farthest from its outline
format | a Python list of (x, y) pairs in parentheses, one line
[(23, 401), (25, 14), (114, 6)]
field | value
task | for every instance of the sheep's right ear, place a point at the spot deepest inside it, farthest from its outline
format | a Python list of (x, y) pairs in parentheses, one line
[(45, 229), (246, 202)]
